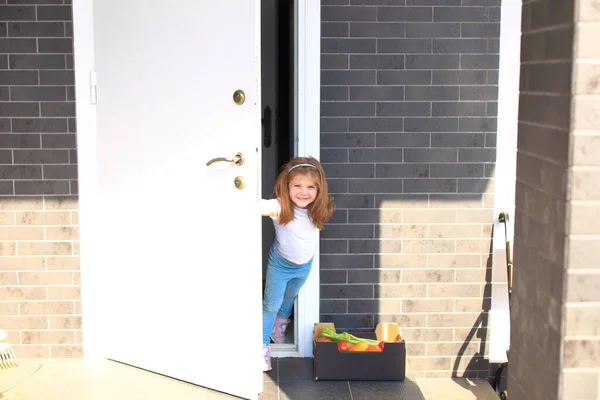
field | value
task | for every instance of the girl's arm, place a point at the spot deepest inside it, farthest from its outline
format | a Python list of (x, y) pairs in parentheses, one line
[(269, 208)]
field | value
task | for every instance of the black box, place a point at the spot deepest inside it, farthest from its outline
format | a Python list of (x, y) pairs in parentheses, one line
[(388, 365)]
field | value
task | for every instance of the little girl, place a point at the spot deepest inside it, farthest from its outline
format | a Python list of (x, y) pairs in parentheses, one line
[(300, 209)]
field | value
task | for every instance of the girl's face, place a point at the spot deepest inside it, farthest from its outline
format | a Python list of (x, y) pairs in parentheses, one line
[(303, 190)]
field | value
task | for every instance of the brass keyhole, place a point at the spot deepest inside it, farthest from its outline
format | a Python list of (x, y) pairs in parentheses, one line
[(239, 182), (239, 97)]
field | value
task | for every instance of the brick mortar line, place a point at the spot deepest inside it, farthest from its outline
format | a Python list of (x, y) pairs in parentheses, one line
[(536, 156)]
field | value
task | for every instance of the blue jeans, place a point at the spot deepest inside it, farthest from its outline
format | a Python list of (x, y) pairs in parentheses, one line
[(284, 281)]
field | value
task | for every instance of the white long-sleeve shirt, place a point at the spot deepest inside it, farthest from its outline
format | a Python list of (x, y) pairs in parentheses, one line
[(297, 240)]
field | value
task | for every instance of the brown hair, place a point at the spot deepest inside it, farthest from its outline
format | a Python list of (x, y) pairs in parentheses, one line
[(320, 210)]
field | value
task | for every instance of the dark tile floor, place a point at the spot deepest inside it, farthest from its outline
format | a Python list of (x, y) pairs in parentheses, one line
[(292, 378)]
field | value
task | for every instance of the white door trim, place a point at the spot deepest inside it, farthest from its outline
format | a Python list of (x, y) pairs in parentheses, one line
[(308, 124), (505, 173), (84, 60), (308, 83)]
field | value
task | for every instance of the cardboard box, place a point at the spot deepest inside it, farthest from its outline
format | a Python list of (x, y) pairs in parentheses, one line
[(388, 365)]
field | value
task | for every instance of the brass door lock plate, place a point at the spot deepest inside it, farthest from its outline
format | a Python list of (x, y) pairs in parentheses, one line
[(239, 183), (239, 97)]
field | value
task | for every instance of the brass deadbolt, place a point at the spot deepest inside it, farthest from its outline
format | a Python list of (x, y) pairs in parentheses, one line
[(239, 182), (239, 97)]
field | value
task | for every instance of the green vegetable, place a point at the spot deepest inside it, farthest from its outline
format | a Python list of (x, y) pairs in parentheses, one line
[(336, 337)]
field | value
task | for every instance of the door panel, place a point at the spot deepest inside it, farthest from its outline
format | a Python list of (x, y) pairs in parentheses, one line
[(179, 244)]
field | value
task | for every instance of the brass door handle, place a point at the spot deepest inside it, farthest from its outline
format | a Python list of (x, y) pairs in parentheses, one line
[(238, 159)]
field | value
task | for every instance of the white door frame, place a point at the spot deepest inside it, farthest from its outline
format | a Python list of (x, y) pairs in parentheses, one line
[(308, 125), (505, 174), (84, 61), (308, 71)]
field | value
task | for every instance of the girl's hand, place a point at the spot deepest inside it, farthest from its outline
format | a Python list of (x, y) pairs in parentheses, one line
[(269, 208)]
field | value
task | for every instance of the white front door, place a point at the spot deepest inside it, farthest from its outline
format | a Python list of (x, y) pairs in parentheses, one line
[(171, 280)]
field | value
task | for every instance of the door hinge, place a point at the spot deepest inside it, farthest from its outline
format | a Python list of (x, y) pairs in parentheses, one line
[(93, 88)]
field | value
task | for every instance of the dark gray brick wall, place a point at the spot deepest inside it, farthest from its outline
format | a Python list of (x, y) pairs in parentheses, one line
[(38, 105), (408, 134), (38, 180)]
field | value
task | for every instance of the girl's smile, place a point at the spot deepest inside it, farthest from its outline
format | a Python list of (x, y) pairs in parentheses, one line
[(303, 190)]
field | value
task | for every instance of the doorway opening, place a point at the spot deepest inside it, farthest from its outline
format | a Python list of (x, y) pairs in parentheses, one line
[(278, 117)]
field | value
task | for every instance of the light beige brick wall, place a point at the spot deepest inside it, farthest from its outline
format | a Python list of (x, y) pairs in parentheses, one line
[(39, 275), (555, 315), (581, 355), (442, 278), (541, 201)]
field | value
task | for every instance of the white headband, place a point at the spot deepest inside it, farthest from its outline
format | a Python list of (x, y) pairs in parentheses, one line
[(301, 165)]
